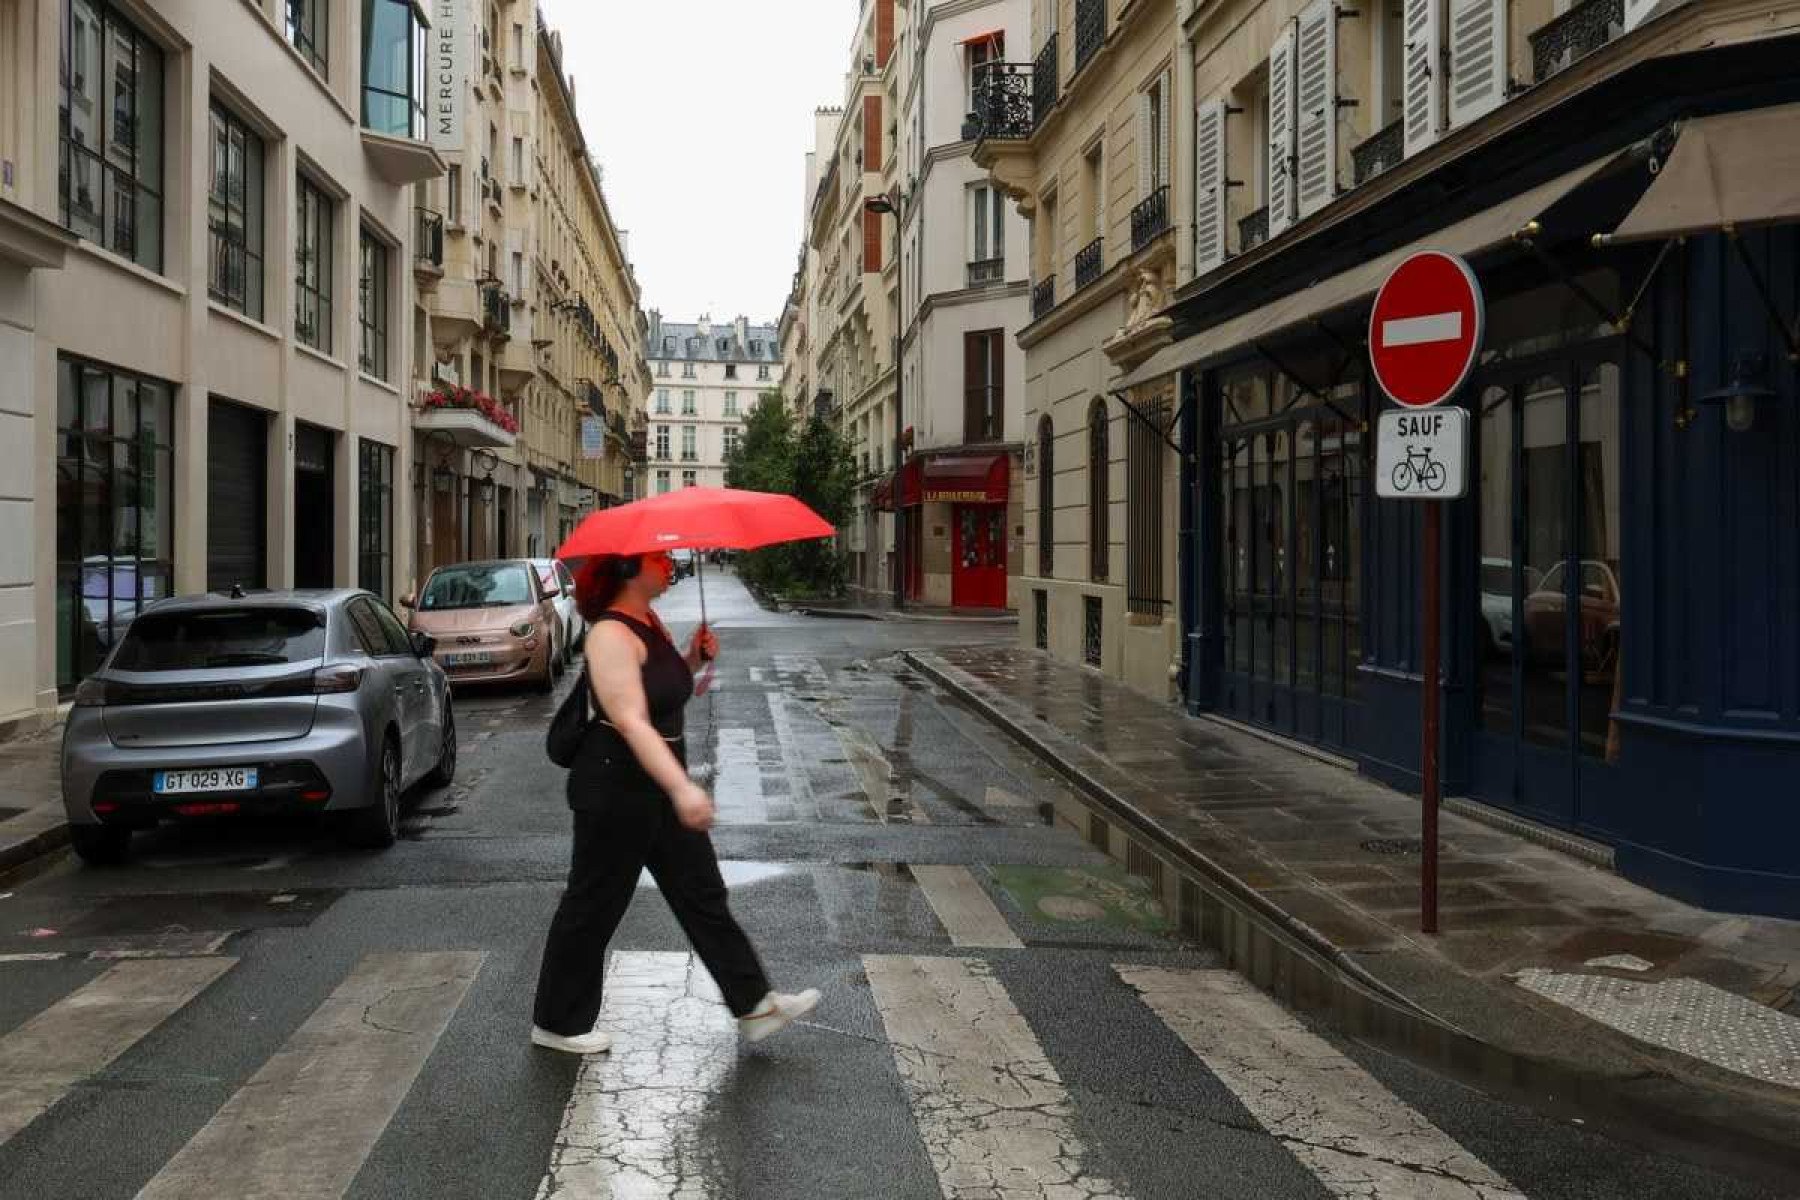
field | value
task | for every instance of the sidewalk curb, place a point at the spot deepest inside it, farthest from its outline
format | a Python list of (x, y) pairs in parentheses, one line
[(22, 854), (1297, 964)]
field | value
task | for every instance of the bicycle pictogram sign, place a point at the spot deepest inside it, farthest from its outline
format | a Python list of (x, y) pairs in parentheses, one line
[(1418, 470), (1422, 455)]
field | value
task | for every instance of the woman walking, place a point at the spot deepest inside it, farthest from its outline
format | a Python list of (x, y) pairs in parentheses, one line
[(636, 807)]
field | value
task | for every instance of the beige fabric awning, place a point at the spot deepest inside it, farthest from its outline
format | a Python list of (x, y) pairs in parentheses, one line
[(1740, 168), (1483, 231)]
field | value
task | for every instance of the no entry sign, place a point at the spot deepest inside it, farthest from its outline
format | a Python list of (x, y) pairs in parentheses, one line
[(1425, 329)]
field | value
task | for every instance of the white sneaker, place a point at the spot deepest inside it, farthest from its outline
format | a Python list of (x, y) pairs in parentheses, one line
[(595, 1042), (777, 1011)]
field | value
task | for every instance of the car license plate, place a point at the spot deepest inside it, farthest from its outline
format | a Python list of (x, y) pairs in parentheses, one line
[(468, 658), (208, 779)]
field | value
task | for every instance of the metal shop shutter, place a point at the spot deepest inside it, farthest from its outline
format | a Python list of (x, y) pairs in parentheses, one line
[(237, 469)]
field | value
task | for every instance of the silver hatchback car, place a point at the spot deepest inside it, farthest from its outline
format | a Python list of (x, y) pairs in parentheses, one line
[(306, 701)]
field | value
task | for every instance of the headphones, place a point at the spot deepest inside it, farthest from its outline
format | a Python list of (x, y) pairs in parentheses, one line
[(628, 566)]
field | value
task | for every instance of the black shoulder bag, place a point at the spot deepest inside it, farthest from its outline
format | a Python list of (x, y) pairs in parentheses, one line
[(570, 724)]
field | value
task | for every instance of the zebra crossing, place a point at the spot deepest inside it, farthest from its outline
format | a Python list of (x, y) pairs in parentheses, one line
[(980, 1098)]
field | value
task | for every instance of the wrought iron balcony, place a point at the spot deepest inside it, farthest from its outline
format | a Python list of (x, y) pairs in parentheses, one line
[(1090, 30), (1090, 261), (1575, 35), (1253, 230), (1045, 85), (1002, 98), (987, 270), (496, 311), (428, 238), (1379, 152), (1043, 297), (1150, 219), (596, 399)]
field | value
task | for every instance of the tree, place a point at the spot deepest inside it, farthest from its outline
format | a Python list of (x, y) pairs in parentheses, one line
[(811, 462)]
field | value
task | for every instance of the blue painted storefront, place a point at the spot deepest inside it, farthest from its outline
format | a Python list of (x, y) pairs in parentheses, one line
[(1622, 603)]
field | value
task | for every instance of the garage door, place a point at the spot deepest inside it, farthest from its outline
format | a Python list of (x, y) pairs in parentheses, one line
[(237, 458)]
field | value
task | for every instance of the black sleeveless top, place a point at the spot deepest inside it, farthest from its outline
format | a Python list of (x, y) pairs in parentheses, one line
[(606, 766)]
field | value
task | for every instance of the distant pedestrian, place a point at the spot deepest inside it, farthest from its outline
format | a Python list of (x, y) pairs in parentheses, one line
[(635, 807)]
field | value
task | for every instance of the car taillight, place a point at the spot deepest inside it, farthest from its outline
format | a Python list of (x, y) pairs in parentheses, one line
[(91, 694), (524, 629), (329, 681)]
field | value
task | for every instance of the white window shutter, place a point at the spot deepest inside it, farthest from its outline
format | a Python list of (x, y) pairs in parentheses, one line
[(1145, 132), (1166, 173), (1638, 11), (1315, 107), (1422, 87), (1211, 191), (1477, 58), (1281, 132)]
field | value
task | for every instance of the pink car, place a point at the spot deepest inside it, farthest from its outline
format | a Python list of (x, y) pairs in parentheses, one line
[(494, 622)]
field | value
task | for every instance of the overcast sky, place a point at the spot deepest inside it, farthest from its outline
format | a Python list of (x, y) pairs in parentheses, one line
[(700, 112)]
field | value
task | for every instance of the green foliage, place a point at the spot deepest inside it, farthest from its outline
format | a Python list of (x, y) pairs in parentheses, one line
[(811, 462)]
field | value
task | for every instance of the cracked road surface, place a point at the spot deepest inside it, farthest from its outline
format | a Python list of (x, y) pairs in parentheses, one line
[(254, 1011)]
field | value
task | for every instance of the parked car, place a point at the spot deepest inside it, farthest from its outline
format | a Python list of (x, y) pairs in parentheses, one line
[(554, 576), (494, 622), (684, 564), (1496, 604), (1598, 633), (316, 702)]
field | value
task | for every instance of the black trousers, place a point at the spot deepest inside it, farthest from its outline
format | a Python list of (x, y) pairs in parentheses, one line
[(613, 844)]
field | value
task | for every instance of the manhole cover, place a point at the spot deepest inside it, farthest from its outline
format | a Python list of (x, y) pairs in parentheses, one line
[(1393, 846)]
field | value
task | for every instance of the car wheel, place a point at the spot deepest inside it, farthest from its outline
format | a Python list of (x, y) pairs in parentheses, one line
[(557, 660), (445, 772), (546, 682), (100, 845), (377, 825)]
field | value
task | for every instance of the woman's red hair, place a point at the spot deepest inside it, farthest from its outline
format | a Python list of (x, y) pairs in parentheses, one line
[(597, 584)]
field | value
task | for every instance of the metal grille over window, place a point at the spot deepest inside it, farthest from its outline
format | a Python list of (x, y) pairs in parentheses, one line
[(1099, 498), (1150, 219), (1090, 260), (1092, 630), (1044, 82), (1043, 297), (1144, 449), (1040, 618), (1090, 30), (1002, 109), (1046, 473)]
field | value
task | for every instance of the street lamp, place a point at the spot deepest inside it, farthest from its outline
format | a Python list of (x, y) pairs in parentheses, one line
[(879, 205)]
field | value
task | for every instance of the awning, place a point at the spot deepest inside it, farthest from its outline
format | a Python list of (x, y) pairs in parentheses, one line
[(964, 479), (1486, 229), (995, 36), (1740, 168), (882, 498)]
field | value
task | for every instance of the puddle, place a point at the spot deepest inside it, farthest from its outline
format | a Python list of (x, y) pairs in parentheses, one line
[(739, 873), (1106, 895)]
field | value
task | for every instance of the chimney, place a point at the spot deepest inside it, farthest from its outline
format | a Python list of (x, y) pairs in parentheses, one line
[(741, 327)]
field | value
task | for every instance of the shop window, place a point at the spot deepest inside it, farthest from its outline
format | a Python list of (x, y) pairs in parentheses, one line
[(115, 511), (109, 178), (375, 518)]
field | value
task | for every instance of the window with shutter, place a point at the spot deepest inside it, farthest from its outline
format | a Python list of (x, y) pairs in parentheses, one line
[(1477, 58), (1281, 132), (1209, 186), (1315, 88), (1165, 172), (1422, 101), (1146, 137)]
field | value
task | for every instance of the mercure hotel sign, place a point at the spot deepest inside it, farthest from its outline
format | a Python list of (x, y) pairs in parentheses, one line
[(448, 65)]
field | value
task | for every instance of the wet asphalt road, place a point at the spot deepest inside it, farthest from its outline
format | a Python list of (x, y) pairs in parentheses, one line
[(838, 775)]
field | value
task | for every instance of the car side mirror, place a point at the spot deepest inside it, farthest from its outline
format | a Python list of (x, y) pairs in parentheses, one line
[(1594, 591), (423, 644), (409, 601)]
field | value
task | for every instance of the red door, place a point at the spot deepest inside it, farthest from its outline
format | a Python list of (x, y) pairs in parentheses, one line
[(978, 556)]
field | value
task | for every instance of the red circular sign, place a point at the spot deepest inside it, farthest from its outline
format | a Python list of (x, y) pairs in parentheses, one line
[(1425, 329)]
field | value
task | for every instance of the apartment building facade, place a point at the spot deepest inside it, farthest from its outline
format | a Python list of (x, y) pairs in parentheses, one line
[(535, 331), (963, 296), (705, 379), (206, 311), (800, 389), (1622, 656)]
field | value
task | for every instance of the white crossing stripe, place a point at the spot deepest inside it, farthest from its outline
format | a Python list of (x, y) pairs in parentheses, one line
[(80, 1034), (1420, 331), (1357, 1137), (302, 1126), (992, 1111), (737, 785), (968, 915), (632, 1126)]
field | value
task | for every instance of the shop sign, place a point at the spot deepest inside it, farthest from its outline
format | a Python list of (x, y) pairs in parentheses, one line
[(938, 496), (593, 437), (1425, 329), (1422, 454), (452, 33)]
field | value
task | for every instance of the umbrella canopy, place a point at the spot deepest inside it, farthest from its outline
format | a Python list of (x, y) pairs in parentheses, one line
[(696, 518)]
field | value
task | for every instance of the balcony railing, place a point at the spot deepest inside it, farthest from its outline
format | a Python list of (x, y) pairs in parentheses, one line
[(428, 238), (1090, 260), (1379, 152), (1090, 30), (596, 399), (1045, 85), (1575, 35), (1150, 219), (1253, 230), (1002, 99), (496, 311), (1043, 297), (987, 270)]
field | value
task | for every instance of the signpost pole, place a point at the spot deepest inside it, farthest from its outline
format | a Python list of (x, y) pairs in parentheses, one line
[(1429, 688)]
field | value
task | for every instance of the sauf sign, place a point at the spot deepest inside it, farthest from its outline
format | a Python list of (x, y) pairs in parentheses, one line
[(451, 37), (1424, 335)]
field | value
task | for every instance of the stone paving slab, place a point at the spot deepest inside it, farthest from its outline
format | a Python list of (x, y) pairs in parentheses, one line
[(31, 794), (1308, 840)]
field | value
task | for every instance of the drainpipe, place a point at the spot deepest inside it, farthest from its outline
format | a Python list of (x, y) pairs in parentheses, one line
[(1181, 153)]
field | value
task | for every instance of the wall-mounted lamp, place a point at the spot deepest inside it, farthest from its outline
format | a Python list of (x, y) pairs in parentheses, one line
[(443, 480), (1747, 388)]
